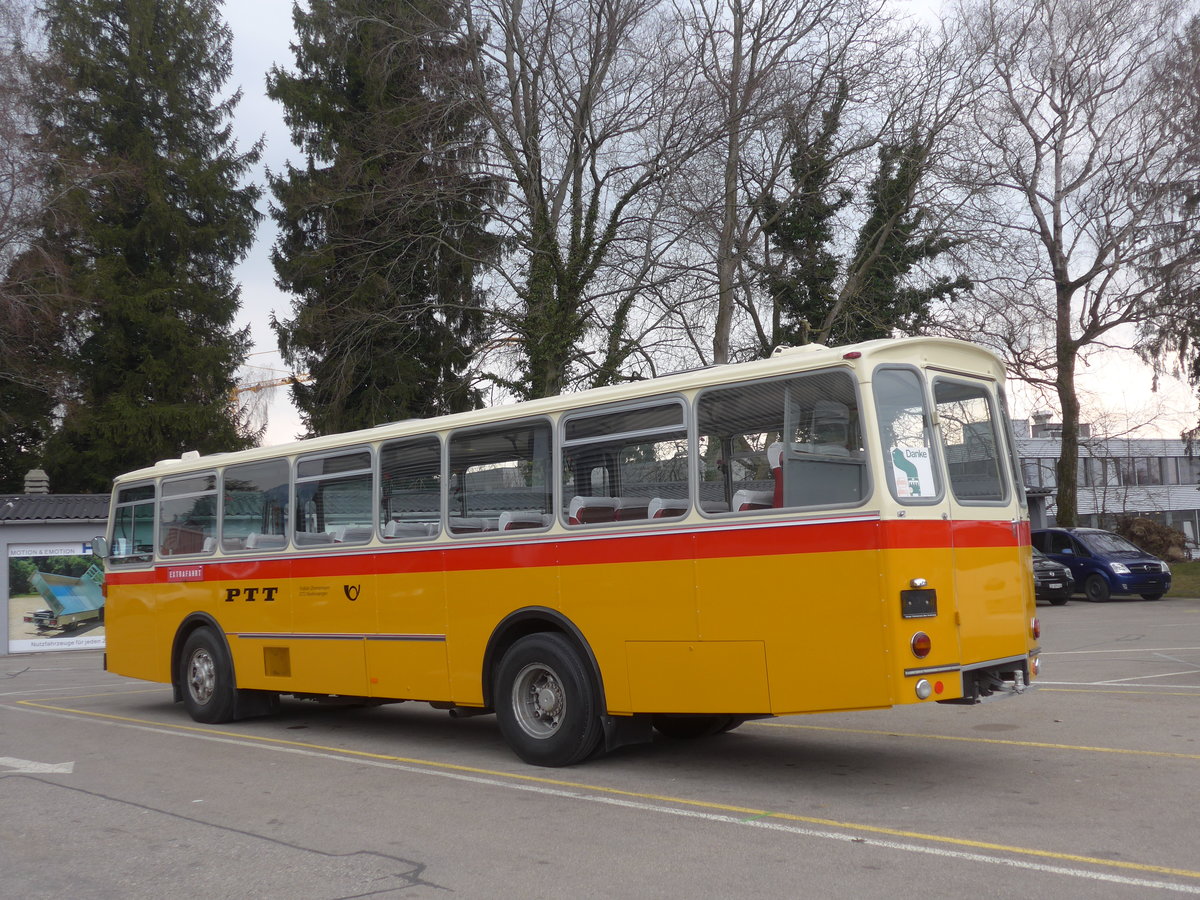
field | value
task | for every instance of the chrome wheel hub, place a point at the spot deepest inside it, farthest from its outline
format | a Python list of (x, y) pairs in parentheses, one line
[(201, 676), (538, 700)]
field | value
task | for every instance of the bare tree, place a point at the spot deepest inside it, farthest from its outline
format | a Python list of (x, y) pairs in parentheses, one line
[(1175, 336), (1074, 179), (586, 107), (843, 81), (762, 65), (20, 184)]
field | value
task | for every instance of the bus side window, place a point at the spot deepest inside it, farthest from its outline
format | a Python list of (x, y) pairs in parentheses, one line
[(781, 443), (133, 526), (188, 515), (497, 471), (333, 498), (410, 482), (625, 465), (254, 506)]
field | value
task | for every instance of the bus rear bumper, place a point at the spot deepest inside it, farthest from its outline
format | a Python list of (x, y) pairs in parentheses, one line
[(995, 679)]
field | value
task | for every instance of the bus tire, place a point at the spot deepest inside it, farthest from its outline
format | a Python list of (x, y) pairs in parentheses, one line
[(689, 727), (206, 676), (545, 702)]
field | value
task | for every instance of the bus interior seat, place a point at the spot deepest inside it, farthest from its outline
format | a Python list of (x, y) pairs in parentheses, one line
[(394, 529), (746, 500), (258, 541), (775, 461), (472, 524), (351, 534), (588, 510), (311, 538), (830, 428), (630, 509), (513, 521), (666, 508)]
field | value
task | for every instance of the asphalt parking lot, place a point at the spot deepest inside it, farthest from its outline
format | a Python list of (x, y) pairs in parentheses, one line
[(1088, 786)]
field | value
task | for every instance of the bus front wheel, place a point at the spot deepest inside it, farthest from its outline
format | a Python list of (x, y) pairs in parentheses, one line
[(207, 678), (545, 702)]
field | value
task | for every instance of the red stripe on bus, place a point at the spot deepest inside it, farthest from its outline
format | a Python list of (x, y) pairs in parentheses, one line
[(646, 546)]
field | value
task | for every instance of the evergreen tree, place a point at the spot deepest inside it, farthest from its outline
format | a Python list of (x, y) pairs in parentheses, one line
[(802, 282), (146, 221), (891, 242), (868, 294), (381, 230)]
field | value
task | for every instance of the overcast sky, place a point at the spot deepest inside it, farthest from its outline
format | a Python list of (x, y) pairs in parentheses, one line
[(1115, 387), (262, 31)]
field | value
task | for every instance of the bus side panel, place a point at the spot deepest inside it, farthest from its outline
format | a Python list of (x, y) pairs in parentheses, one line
[(246, 599), (409, 659), (332, 612), (698, 676), (818, 614), (134, 626), (615, 603), (994, 590), (479, 596), (915, 551)]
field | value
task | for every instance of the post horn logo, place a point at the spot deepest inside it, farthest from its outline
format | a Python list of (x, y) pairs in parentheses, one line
[(351, 591)]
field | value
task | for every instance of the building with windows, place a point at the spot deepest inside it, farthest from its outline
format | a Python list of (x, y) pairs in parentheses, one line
[(1154, 478)]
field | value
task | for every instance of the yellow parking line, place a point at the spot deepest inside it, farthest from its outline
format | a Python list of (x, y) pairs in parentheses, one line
[(979, 740), (748, 814)]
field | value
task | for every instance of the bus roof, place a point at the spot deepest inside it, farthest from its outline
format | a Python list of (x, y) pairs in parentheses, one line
[(948, 353)]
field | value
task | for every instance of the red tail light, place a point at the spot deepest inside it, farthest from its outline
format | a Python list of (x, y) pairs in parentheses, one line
[(921, 645)]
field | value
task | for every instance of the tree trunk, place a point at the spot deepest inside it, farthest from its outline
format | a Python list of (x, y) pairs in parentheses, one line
[(1067, 500)]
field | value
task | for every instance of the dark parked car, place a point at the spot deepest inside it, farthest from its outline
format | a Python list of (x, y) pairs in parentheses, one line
[(1051, 580), (1104, 563)]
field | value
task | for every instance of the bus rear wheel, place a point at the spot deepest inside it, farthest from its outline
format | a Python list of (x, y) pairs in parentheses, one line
[(206, 675), (545, 702)]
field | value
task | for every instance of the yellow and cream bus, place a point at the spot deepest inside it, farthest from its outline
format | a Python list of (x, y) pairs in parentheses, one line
[(828, 529)]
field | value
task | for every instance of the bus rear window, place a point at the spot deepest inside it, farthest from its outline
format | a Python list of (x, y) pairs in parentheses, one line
[(969, 441), (906, 436)]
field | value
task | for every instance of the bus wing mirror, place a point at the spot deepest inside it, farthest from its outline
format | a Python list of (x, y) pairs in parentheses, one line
[(100, 547)]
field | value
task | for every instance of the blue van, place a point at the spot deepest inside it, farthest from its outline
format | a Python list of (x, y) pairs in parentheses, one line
[(1104, 563)]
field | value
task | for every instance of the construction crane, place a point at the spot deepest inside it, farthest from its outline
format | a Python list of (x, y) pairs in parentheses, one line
[(254, 387)]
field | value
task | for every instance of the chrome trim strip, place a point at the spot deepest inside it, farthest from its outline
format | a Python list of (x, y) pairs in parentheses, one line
[(933, 670), (996, 662), (308, 636)]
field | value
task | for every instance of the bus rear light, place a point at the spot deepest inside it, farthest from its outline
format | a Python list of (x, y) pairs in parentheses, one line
[(924, 689), (938, 687), (921, 645), (1035, 627)]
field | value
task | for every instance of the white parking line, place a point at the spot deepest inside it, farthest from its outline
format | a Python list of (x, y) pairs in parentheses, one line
[(1046, 653)]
